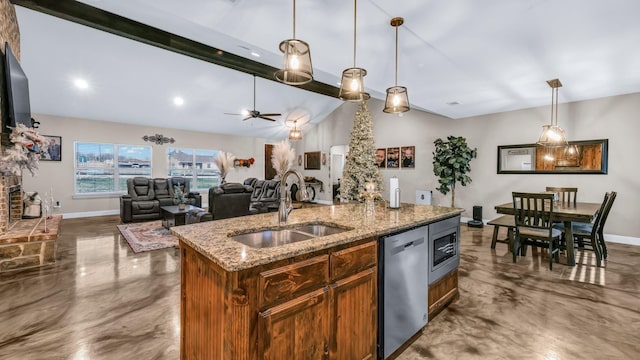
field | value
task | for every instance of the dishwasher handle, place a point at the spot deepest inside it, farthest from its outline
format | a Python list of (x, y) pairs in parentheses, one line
[(407, 245)]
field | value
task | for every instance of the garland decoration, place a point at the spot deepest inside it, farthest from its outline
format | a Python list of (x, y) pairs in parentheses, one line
[(28, 146)]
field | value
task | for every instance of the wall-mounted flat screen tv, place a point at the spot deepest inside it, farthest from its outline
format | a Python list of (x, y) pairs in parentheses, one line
[(19, 109)]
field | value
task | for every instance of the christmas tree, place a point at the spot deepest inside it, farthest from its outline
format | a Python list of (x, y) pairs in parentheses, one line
[(361, 161)]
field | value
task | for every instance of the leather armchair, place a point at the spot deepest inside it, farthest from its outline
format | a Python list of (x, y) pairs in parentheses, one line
[(229, 200), (164, 192), (140, 204)]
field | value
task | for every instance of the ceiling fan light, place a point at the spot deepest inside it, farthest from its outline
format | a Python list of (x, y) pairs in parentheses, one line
[(397, 100), (296, 69), (352, 85)]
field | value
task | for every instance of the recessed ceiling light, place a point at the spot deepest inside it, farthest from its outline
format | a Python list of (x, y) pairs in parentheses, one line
[(81, 83), (255, 54), (178, 101)]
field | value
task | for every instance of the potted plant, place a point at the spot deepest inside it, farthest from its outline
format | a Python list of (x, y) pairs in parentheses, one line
[(451, 163)]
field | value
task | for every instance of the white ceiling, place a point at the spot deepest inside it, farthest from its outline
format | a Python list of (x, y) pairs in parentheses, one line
[(489, 56)]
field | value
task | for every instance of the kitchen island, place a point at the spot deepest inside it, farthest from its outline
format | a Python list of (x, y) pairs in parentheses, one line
[(303, 300)]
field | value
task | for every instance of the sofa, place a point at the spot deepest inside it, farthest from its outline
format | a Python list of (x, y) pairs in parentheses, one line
[(145, 196), (229, 200)]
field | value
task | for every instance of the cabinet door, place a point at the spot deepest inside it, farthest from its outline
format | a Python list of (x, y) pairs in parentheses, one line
[(297, 329), (354, 302)]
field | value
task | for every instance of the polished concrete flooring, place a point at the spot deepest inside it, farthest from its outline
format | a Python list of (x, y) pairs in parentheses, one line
[(101, 301)]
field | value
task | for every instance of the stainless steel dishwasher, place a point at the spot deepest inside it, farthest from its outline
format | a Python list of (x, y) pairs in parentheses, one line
[(403, 300)]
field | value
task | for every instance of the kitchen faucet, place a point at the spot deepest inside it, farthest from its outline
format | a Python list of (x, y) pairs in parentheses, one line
[(283, 209)]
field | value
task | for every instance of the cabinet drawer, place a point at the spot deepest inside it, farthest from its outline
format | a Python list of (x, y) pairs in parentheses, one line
[(293, 280), (352, 260)]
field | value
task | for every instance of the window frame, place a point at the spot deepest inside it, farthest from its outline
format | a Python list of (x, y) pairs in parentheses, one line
[(115, 168), (193, 170)]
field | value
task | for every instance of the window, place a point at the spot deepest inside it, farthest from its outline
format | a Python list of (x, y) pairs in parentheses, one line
[(196, 164), (96, 171)]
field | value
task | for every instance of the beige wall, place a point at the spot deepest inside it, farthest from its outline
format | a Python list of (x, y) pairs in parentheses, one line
[(613, 118), (58, 176)]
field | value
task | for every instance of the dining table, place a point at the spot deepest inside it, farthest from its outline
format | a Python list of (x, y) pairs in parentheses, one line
[(581, 212)]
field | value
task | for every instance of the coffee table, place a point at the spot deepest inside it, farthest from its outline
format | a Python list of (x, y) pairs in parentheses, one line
[(174, 216)]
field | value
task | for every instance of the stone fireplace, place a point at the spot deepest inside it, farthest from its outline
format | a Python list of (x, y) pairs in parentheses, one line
[(10, 201)]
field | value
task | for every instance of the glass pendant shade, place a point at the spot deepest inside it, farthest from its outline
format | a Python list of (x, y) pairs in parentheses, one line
[(552, 135), (295, 134), (397, 100), (352, 85), (297, 69)]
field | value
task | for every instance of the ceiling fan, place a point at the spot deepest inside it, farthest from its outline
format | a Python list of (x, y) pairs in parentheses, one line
[(252, 114)]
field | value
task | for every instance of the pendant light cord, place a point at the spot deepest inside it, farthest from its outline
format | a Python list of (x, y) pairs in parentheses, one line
[(294, 19), (355, 11), (556, 92), (396, 56)]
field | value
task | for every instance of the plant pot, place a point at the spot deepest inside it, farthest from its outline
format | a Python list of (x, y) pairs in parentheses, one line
[(182, 206)]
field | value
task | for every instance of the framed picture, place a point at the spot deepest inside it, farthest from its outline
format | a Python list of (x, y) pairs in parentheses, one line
[(312, 160), (54, 149), (393, 157), (407, 155), (381, 158)]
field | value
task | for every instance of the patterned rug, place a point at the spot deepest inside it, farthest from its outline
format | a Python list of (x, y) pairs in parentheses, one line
[(147, 236)]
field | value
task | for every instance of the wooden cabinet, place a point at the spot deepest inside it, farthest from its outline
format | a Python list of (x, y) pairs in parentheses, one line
[(443, 292), (297, 329), (354, 317), (317, 306)]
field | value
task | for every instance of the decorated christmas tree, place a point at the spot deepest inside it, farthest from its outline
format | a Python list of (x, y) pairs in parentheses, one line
[(360, 167)]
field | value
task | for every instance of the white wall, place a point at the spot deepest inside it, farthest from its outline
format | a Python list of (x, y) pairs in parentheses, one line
[(613, 118), (58, 176)]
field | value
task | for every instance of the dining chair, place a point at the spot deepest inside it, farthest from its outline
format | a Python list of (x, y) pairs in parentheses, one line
[(566, 195), (533, 215), (594, 232)]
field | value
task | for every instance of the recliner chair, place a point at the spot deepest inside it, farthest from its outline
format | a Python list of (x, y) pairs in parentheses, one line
[(140, 203), (229, 200)]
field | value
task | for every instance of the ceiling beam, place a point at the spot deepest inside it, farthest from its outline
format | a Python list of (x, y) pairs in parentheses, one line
[(81, 13)]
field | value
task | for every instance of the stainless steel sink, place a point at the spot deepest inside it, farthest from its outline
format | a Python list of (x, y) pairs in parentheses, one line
[(271, 238), (320, 229), (279, 237)]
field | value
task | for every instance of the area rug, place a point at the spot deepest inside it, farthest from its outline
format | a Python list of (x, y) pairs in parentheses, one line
[(147, 236)]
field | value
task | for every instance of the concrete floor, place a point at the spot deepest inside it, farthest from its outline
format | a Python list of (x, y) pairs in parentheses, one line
[(101, 301)]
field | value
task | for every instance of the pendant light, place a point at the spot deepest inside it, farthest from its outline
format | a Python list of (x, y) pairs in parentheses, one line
[(295, 134), (296, 69), (352, 84), (397, 100), (552, 134)]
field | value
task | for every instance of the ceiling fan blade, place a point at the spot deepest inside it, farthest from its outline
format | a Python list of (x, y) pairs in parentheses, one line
[(232, 114), (247, 118), (266, 118), (274, 114)]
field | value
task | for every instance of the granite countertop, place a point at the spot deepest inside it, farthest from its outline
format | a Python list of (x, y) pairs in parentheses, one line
[(211, 238)]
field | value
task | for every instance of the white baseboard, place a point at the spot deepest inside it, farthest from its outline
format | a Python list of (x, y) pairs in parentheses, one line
[(622, 239), (608, 237), (89, 214)]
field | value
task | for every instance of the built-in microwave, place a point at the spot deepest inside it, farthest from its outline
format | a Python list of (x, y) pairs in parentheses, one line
[(444, 248)]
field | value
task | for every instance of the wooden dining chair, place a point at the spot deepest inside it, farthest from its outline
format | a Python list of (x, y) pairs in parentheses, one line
[(594, 232), (566, 195), (533, 215)]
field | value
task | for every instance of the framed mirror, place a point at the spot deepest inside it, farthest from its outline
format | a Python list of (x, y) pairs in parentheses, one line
[(578, 157), (312, 160)]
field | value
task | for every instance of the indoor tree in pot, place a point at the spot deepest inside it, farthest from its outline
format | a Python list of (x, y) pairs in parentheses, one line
[(451, 163)]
